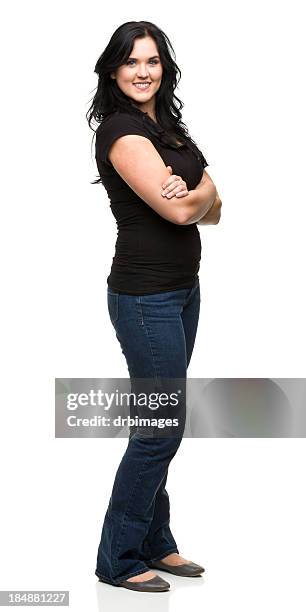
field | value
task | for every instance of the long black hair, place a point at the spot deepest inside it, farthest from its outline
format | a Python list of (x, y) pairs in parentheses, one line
[(109, 98)]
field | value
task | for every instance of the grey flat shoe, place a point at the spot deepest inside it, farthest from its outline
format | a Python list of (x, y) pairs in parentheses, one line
[(154, 585), (186, 569)]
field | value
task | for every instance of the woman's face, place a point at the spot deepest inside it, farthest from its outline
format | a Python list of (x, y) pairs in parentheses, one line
[(142, 66)]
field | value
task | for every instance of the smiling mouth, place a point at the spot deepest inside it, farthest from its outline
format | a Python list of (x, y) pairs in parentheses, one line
[(142, 86)]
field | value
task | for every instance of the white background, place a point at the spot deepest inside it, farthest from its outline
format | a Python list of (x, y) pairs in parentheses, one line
[(238, 505)]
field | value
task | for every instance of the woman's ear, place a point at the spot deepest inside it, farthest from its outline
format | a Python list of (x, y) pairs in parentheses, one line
[(113, 75)]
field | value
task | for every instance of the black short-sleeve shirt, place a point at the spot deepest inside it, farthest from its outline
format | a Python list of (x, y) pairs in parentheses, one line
[(152, 254)]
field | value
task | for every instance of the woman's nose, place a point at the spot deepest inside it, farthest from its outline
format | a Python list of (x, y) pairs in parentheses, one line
[(142, 72)]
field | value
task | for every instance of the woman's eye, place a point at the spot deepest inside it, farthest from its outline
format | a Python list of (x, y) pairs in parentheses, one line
[(130, 62)]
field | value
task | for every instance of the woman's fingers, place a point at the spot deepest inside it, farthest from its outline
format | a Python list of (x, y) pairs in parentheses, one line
[(175, 186), (182, 193), (168, 184), (178, 191)]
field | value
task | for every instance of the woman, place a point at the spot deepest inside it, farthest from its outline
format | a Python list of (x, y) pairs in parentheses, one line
[(155, 179)]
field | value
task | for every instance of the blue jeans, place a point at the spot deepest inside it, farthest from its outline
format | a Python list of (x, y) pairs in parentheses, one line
[(157, 334)]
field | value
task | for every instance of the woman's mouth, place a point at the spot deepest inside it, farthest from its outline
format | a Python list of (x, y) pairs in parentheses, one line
[(142, 86)]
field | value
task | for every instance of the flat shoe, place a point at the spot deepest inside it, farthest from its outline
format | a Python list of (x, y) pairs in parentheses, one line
[(185, 569), (154, 585)]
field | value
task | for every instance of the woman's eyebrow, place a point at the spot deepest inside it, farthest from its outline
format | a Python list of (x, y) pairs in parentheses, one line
[(153, 57)]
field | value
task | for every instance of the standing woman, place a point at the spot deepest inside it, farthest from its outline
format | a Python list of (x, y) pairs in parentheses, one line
[(158, 189)]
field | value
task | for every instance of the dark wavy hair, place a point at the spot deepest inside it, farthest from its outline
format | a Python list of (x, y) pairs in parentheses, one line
[(109, 98)]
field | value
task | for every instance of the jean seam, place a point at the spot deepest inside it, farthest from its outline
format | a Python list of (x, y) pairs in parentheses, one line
[(139, 310), (122, 578), (123, 522), (149, 342)]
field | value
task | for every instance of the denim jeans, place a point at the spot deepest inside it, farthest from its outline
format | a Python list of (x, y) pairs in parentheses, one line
[(157, 334)]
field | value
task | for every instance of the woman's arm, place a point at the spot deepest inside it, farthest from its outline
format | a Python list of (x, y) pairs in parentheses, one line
[(197, 202), (139, 164), (214, 214), (212, 217)]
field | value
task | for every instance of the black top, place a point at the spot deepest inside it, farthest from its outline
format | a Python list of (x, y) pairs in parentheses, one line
[(152, 254)]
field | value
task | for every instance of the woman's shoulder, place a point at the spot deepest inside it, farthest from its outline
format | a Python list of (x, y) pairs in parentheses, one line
[(115, 125), (120, 119)]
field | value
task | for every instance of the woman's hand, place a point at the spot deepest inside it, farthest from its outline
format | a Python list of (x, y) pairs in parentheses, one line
[(174, 185)]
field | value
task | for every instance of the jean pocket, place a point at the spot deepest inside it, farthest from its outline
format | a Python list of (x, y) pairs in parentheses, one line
[(113, 306)]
